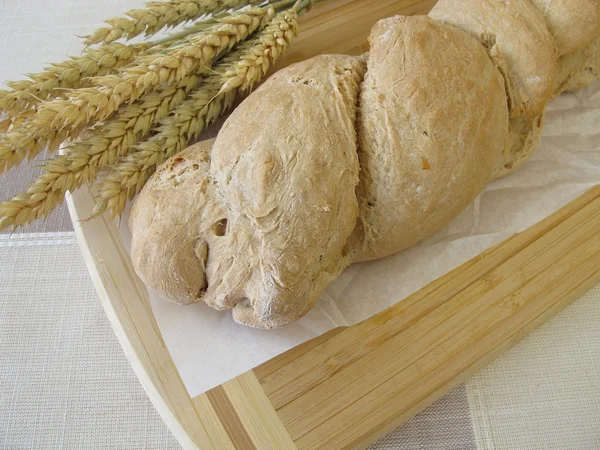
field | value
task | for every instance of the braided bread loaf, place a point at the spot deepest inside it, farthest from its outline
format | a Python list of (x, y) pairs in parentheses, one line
[(341, 159)]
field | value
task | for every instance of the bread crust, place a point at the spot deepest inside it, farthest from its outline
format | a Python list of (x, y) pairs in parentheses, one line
[(266, 232), (289, 191), (170, 225), (578, 69), (561, 15), (519, 42), (433, 122)]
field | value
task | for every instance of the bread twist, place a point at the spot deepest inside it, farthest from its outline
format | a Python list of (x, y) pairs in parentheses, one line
[(341, 159)]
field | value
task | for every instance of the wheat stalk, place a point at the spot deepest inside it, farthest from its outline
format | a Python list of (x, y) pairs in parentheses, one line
[(192, 117), (160, 14), (101, 147), (65, 118)]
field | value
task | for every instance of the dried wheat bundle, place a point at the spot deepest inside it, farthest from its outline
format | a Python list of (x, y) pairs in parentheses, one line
[(56, 120)]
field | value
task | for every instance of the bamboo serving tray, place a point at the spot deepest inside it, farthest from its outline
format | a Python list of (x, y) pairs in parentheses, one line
[(352, 385)]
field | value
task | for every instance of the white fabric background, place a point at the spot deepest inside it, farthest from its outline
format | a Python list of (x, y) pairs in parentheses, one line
[(64, 381)]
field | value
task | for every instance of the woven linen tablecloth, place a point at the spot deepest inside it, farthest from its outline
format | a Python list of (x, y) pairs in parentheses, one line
[(65, 383)]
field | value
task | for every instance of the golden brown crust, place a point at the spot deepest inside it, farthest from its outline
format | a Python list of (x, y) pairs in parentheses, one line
[(578, 69), (262, 230), (575, 28), (289, 191), (168, 225)]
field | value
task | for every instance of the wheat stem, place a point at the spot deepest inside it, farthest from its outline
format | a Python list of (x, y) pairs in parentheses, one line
[(191, 29), (160, 14)]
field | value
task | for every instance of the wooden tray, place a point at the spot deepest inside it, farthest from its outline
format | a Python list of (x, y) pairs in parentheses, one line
[(352, 385)]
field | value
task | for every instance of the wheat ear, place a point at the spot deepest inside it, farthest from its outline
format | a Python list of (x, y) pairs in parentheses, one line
[(20, 143), (60, 119), (149, 72), (66, 75), (160, 14), (247, 66), (255, 62), (94, 62), (101, 147)]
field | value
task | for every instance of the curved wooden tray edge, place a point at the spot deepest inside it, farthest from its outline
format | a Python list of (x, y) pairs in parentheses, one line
[(125, 300)]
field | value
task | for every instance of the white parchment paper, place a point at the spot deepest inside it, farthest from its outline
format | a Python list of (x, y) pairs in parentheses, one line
[(208, 347)]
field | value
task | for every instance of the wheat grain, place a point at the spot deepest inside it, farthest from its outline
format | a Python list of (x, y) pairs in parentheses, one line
[(18, 144), (160, 14), (191, 118), (101, 147)]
